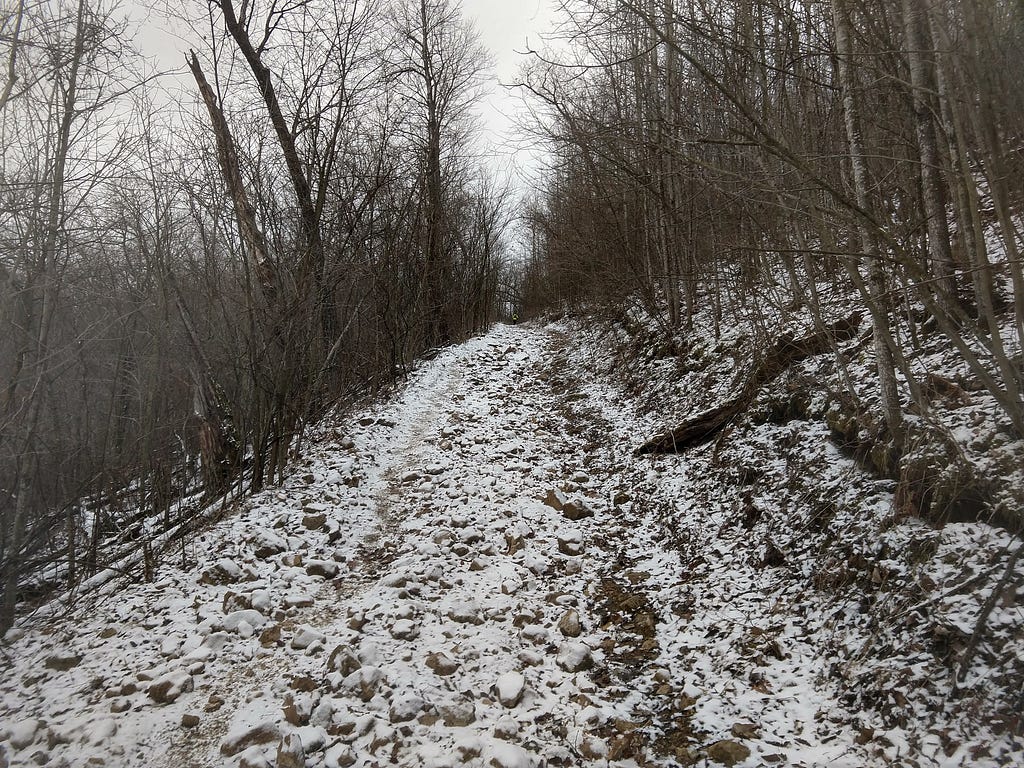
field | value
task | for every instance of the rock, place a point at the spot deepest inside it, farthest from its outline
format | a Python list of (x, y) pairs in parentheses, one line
[(405, 708), (621, 497), (267, 544), (343, 660), (570, 541), (458, 714), (570, 625), (339, 756), (224, 571), (727, 752), (234, 602), (62, 662), (271, 635), (465, 613), (509, 689), (505, 755), (364, 681), (441, 664), (169, 687), (117, 706), (254, 757), (576, 510), (302, 683), (251, 617), (291, 560), (298, 600), (366, 421), (506, 728), (214, 703), (23, 733), (574, 657), (556, 499), (307, 637), (325, 569), (745, 730), (467, 749), (297, 709), (315, 521), (242, 739), (189, 720), (404, 629), (290, 753), (593, 748)]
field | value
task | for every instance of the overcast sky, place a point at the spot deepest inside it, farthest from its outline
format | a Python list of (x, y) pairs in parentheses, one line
[(504, 27)]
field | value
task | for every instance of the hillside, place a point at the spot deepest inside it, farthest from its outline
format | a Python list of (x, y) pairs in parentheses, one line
[(479, 571)]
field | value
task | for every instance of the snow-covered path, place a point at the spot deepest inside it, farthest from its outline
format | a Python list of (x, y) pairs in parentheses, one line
[(460, 577), (397, 601)]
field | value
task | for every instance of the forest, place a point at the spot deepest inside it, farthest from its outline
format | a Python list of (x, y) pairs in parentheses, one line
[(701, 439), (186, 286), (193, 278)]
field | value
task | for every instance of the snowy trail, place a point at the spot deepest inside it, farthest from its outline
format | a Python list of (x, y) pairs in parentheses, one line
[(459, 577)]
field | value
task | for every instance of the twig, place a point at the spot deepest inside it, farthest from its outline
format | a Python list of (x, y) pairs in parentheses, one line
[(986, 610)]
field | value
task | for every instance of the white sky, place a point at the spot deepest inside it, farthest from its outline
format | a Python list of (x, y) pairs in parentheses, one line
[(504, 27)]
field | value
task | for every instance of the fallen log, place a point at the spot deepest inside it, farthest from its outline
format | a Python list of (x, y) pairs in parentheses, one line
[(783, 353)]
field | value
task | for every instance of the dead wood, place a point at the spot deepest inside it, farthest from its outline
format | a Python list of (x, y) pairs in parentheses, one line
[(783, 353)]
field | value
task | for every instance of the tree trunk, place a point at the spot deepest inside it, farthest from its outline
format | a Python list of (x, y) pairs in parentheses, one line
[(876, 272), (933, 190)]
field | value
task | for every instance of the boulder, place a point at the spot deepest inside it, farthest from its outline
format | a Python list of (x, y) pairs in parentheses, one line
[(441, 664), (727, 752), (574, 657), (570, 541), (577, 510), (405, 708), (307, 637), (290, 753), (314, 521), (570, 625), (167, 688), (458, 714), (244, 738), (325, 569), (509, 689), (556, 499)]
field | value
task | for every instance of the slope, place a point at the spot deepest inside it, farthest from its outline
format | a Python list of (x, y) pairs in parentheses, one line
[(477, 572)]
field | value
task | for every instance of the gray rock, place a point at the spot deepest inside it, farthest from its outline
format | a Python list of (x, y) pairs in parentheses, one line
[(405, 708)]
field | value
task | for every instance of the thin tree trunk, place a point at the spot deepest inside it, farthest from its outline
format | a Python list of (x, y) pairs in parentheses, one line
[(876, 274), (933, 190)]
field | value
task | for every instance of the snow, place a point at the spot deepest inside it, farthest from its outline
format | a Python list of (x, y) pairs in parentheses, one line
[(424, 621)]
